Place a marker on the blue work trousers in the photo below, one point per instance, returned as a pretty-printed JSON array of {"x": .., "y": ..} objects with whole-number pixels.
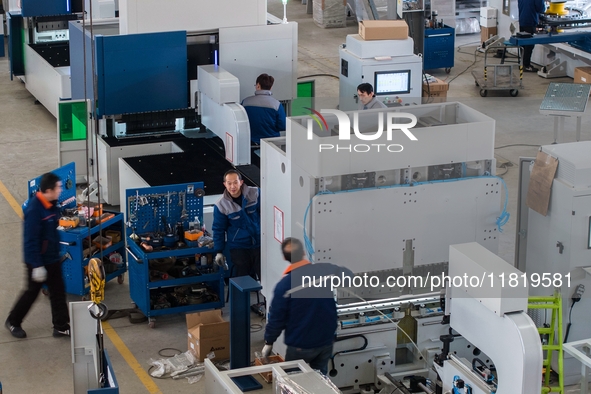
[{"x": 317, "y": 357}]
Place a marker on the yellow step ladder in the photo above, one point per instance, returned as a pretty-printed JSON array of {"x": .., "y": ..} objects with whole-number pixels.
[{"x": 555, "y": 338}]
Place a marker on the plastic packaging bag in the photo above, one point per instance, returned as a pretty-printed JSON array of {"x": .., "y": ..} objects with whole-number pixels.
[
  {"x": 304, "y": 383},
  {"x": 172, "y": 365}
]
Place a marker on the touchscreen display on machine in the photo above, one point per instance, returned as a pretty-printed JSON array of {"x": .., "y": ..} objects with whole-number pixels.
[{"x": 392, "y": 82}]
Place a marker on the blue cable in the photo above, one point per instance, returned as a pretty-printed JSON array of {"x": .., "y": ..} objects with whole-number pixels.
[
  {"x": 504, "y": 218},
  {"x": 307, "y": 242}
]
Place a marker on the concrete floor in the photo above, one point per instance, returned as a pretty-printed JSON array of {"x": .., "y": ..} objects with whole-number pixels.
[{"x": 42, "y": 364}]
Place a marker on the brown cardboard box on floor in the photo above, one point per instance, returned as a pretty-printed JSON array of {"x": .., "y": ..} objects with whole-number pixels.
[
  {"x": 436, "y": 89},
  {"x": 383, "y": 30},
  {"x": 208, "y": 332},
  {"x": 582, "y": 75},
  {"x": 487, "y": 32}
]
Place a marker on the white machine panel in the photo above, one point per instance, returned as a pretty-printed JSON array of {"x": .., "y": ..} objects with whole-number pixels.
[
  {"x": 364, "y": 70},
  {"x": 494, "y": 292},
  {"x": 249, "y": 51},
  {"x": 47, "y": 83},
  {"x": 101, "y": 9},
  {"x": 218, "y": 84},
  {"x": 575, "y": 162},
  {"x": 558, "y": 243},
  {"x": 381, "y": 237},
  {"x": 380, "y": 63},
  {"x": 108, "y": 161},
  {"x": 148, "y": 16},
  {"x": 377, "y": 48},
  {"x": 466, "y": 135}
]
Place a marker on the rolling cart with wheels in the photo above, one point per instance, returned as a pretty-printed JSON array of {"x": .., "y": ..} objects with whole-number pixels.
[
  {"x": 439, "y": 49},
  {"x": 501, "y": 72},
  {"x": 168, "y": 273}
]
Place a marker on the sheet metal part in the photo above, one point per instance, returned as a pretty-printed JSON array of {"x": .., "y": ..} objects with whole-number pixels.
[{"x": 387, "y": 303}]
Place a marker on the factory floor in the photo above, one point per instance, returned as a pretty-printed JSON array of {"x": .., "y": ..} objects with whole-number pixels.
[{"x": 43, "y": 364}]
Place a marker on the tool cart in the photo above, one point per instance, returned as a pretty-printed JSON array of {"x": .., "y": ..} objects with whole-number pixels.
[
  {"x": 502, "y": 70},
  {"x": 439, "y": 49},
  {"x": 170, "y": 253},
  {"x": 83, "y": 237}
]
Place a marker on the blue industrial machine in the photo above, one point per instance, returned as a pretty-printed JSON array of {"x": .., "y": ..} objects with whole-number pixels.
[{"x": 556, "y": 31}]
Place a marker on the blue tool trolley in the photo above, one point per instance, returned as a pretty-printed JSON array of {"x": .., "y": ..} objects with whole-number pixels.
[
  {"x": 76, "y": 243},
  {"x": 438, "y": 50},
  {"x": 187, "y": 285}
]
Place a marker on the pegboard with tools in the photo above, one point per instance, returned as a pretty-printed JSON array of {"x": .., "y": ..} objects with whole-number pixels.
[
  {"x": 170, "y": 256},
  {"x": 158, "y": 209},
  {"x": 67, "y": 175}
]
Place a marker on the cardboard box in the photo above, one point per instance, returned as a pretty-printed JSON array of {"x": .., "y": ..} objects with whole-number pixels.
[
  {"x": 582, "y": 75},
  {"x": 488, "y": 16},
  {"x": 268, "y": 376},
  {"x": 208, "y": 332},
  {"x": 437, "y": 89},
  {"x": 487, "y": 32},
  {"x": 383, "y": 30},
  {"x": 488, "y": 12}
]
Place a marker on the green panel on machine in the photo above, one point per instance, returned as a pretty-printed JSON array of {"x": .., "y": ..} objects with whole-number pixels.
[
  {"x": 72, "y": 121},
  {"x": 304, "y": 100}
]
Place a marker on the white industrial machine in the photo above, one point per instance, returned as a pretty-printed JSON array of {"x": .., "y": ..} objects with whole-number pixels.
[
  {"x": 221, "y": 112},
  {"x": 559, "y": 244},
  {"x": 389, "y": 207},
  {"x": 287, "y": 377},
  {"x": 390, "y": 66},
  {"x": 493, "y": 317}
]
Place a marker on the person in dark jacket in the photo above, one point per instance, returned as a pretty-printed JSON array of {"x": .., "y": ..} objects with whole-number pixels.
[
  {"x": 237, "y": 223},
  {"x": 265, "y": 114},
  {"x": 42, "y": 259},
  {"x": 529, "y": 11},
  {"x": 307, "y": 314}
]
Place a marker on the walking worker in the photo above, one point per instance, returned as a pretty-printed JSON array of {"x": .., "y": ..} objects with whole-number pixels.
[
  {"x": 42, "y": 259},
  {"x": 529, "y": 11},
  {"x": 308, "y": 314}
]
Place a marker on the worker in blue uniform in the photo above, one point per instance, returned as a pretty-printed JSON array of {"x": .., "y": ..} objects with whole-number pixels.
[
  {"x": 237, "y": 223},
  {"x": 307, "y": 314},
  {"x": 266, "y": 115},
  {"x": 42, "y": 259},
  {"x": 529, "y": 11}
]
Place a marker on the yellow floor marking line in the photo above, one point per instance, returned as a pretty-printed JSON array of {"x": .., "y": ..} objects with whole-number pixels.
[
  {"x": 11, "y": 201},
  {"x": 140, "y": 372}
]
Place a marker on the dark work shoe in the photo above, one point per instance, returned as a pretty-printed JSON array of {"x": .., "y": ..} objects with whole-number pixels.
[
  {"x": 61, "y": 333},
  {"x": 530, "y": 69},
  {"x": 16, "y": 331}
]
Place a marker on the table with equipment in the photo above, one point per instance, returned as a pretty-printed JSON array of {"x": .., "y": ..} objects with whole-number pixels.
[{"x": 564, "y": 100}]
